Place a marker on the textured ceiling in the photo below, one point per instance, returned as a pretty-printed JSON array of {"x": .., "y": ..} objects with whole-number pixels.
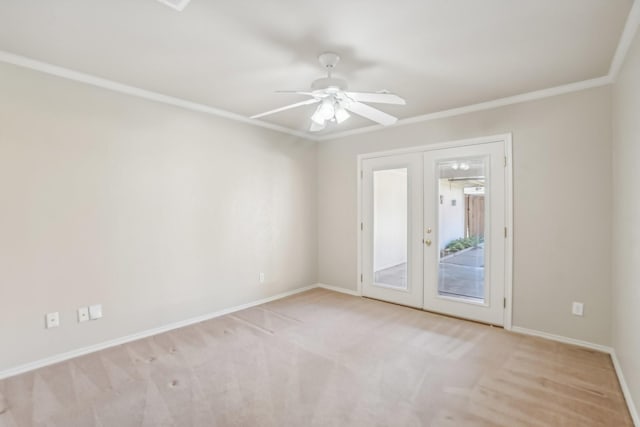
[{"x": 233, "y": 55}]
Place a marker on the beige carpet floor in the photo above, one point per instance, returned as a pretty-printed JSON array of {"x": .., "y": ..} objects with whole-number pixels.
[{"x": 321, "y": 358}]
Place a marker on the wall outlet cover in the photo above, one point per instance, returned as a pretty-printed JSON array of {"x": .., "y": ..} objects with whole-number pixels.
[
  {"x": 577, "y": 309},
  {"x": 261, "y": 278},
  {"x": 95, "y": 311},
  {"x": 83, "y": 314},
  {"x": 52, "y": 320}
]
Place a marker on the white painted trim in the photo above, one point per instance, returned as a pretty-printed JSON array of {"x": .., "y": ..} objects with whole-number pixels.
[
  {"x": 489, "y": 105},
  {"x": 143, "y": 334},
  {"x": 633, "y": 411},
  {"x": 359, "y": 226},
  {"x": 507, "y": 139},
  {"x": 598, "y": 347},
  {"x": 77, "y": 76},
  {"x": 150, "y": 332},
  {"x": 631, "y": 25},
  {"x": 628, "y": 33},
  {"x": 508, "y": 262},
  {"x": 630, "y": 28},
  {"x": 436, "y": 146},
  {"x": 89, "y": 79},
  {"x": 562, "y": 339},
  {"x": 625, "y": 389},
  {"x": 338, "y": 289}
]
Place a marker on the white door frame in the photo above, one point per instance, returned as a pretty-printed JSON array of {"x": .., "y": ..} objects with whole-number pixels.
[{"x": 508, "y": 262}]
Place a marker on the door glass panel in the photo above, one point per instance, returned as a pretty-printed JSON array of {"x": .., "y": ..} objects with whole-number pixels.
[
  {"x": 390, "y": 228},
  {"x": 461, "y": 221}
]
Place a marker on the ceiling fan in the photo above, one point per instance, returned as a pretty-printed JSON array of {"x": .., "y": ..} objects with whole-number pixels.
[{"x": 336, "y": 101}]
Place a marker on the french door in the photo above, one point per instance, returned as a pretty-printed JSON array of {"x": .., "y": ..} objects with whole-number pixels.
[
  {"x": 433, "y": 230},
  {"x": 392, "y": 215}
]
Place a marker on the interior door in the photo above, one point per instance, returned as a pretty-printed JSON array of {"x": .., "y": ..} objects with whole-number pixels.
[
  {"x": 464, "y": 232},
  {"x": 391, "y": 225}
]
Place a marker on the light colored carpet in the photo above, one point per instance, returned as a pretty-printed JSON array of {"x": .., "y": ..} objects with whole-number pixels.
[{"x": 324, "y": 359}]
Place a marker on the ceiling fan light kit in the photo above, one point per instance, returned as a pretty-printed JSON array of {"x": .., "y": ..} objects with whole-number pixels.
[
  {"x": 341, "y": 114},
  {"x": 336, "y": 101}
]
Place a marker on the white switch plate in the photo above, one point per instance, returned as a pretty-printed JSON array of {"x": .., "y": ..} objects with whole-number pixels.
[
  {"x": 52, "y": 320},
  {"x": 261, "y": 277},
  {"x": 95, "y": 311},
  {"x": 577, "y": 309},
  {"x": 83, "y": 314}
]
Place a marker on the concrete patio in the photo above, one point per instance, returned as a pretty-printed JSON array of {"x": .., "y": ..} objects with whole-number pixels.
[{"x": 460, "y": 274}]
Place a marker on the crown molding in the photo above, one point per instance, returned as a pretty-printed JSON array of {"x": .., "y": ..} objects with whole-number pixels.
[
  {"x": 631, "y": 25},
  {"x": 489, "y": 105},
  {"x": 630, "y": 29},
  {"x": 100, "y": 82}
]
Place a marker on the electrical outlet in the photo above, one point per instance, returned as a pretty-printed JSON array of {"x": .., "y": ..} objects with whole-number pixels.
[
  {"x": 261, "y": 277},
  {"x": 83, "y": 314},
  {"x": 577, "y": 309},
  {"x": 95, "y": 311},
  {"x": 52, "y": 320}
]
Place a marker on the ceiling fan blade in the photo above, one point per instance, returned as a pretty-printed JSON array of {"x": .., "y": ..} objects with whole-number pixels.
[
  {"x": 371, "y": 113},
  {"x": 277, "y": 110},
  {"x": 315, "y": 127},
  {"x": 299, "y": 92},
  {"x": 376, "y": 98}
]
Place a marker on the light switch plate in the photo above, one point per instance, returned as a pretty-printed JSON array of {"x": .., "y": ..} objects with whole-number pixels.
[
  {"x": 83, "y": 314},
  {"x": 95, "y": 311},
  {"x": 52, "y": 320}
]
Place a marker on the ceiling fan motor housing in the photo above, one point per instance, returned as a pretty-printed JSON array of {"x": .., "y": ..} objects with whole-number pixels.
[
  {"x": 329, "y": 59},
  {"x": 329, "y": 83}
]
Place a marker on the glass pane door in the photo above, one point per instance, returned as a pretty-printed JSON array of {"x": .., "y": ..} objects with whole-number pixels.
[
  {"x": 464, "y": 219},
  {"x": 390, "y": 215},
  {"x": 461, "y": 222},
  {"x": 391, "y": 229}
]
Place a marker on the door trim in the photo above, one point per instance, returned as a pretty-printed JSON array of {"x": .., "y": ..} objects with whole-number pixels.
[{"x": 506, "y": 138}]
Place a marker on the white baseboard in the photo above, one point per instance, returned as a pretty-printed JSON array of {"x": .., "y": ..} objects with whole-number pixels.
[
  {"x": 560, "y": 338},
  {"x": 603, "y": 348},
  {"x": 155, "y": 331},
  {"x": 625, "y": 389},
  {"x": 139, "y": 335},
  {"x": 338, "y": 289}
]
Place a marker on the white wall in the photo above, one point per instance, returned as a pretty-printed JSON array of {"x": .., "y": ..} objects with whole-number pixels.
[
  {"x": 451, "y": 218},
  {"x": 562, "y": 204},
  {"x": 626, "y": 219},
  {"x": 158, "y": 213},
  {"x": 390, "y": 218},
  {"x": 163, "y": 214}
]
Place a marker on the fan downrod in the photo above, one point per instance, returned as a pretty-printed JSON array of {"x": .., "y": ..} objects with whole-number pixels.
[{"x": 328, "y": 84}]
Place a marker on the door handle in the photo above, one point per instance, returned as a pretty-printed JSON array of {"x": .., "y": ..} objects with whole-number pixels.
[{"x": 427, "y": 242}]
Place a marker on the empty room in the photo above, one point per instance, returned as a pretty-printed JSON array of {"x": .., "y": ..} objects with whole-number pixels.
[{"x": 293, "y": 213}]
